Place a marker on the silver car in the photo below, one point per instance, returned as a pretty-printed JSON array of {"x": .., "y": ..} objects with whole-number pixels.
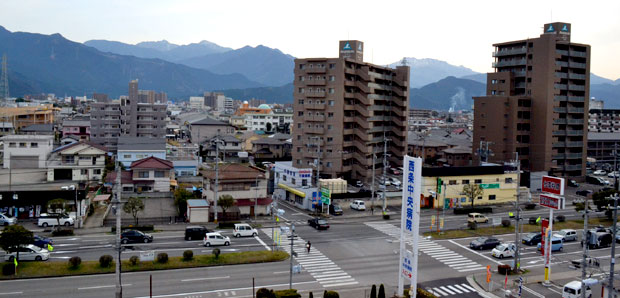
[
  {"x": 29, "y": 252},
  {"x": 6, "y": 220},
  {"x": 567, "y": 234}
]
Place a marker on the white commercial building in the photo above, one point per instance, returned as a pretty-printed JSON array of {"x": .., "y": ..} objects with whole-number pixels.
[
  {"x": 294, "y": 185},
  {"x": 27, "y": 151},
  {"x": 197, "y": 102}
]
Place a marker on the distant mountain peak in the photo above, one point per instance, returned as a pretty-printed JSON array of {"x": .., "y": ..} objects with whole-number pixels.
[{"x": 162, "y": 45}]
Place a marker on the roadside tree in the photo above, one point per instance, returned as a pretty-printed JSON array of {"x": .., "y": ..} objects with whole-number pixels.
[
  {"x": 15, "y": 236},
  {"x": 225, "y": 202},
  {"x": 133, "y": 206},
  {"x": 472, "y": 191}
]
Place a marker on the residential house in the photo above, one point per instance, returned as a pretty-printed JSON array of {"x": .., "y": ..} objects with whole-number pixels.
[
  {"x": 131, "y": 149},
  {"x": 38, "y": 129},
  {"x": 79, "y": 128},
  {"x": 27, "y": 151},
  {"x": 229, "y": 147},
  {"x": 152, "y": 174},
  {"x": 79, "y": 161},
  {"x": 246, "y": 184},
  {"x": 271, "y": 148},
  {"x": 456, "y": 157},
  {"x": 206, "y": 128}
]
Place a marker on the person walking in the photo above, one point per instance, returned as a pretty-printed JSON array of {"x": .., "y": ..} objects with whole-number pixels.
[
  {"x": 372, "y": 210},
  {"x": 308, "y": 245}
]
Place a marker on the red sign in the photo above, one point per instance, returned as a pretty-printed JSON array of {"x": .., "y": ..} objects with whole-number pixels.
[
  {"x": 551, "y": 202},
  {"x": 544, "y": 226},
  {"x": 553, "y": 185}
]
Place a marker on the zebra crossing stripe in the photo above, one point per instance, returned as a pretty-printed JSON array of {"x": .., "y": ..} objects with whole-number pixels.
[
  {"x": 461, "y": 288},
  {"x": 454, "y": 289},
  {"x": 468, "y": 287},
  {"x": 446, "y": 290},
  {"x": 439, "y": 292}
]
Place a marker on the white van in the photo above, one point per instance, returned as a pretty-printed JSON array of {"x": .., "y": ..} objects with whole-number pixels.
[
  {"x": 244, "y": 230},
  {"x": 477, "y": 218},
  {"x": 358, "y": 205},
  {"x": 573, "y": 290},
  {"x": 48, "y": 220},
  {"x": 215, "y": 239}
]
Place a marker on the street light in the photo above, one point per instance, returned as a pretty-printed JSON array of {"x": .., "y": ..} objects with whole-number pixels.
[{"x": 256, "y": 195}]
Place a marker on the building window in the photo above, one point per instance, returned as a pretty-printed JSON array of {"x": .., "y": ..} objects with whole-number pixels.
[
  {"x": 143, "y": 174},
  {"x": 301, "y": 78},
  {"x": 465, "y": 182},
  {"x": 160, "y": 174},
  {"x": 126, "y": 155},
  {"x": 293, "y": 180},
  {"x": 298, "y": 125},
  {"x": 329, "y": 164},
  {"x": 34, "y": 145},
  {"x": 332, "y": 66},
  {"x": 11, "y": 145},
  {"x": 304, "y": 182},
  {"x": 491, "y": 197},
  {"x": 302, "y": 66},
  {"x": 301, "y": 101},
  {"x": 479, "y": 198},
  {"x": 332, "y": 78},
  {"x": 330, "y": 139},
  {"x": 301, "y": 90},
  {"x": 84, "y": 172},
  {"x": 478, "y": 181},
  {"x": 68, "y": 159},
  {"x": 22, "y": 145},
  {"x": 97, "y": 171},
  {"x": 508, "y": 180},
  {"x": 330, "y": 127},
  {"x": 300, "y": 113},
  {"x": 331, "y": 91},
  {"x": 331, "y": 103},
  {"x": 330, "y": 115},
  {"x": 452, "y": 182}
]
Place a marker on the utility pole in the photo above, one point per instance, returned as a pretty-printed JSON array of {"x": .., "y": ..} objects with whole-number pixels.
[
  {"x": 585, "y": 239},
  {"x": 385, "y": 163},
  {"x": 119, "y": 189},
  {"x": 613, "y": 247},
  {"x": 518, "y": 218},
  {"x": 290, "y": 281},
  {"x": 217, "y": 142},
  {"x": 372, "y": 185}
]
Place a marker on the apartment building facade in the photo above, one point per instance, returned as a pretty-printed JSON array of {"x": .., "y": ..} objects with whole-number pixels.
[
  {"x": 344, "y": 110},
  {"x": 126, "y": 117},
  {"x": 536, "y": 103}
]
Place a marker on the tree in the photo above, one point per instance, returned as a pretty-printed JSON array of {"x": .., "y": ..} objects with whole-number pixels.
[
  {"x": 225, "y": 202},
  {"x": 181, "y": 196},
  {"x": 133, "y": 206},
  {"x": 57, "y": 204},
  {"x": 381, "y": 291},
  {"x": 472, "y": 191},
  {"x": 268, "y": 127},
  {"x": 373, "y": 292},
  {"x": 15, "y": 236}
]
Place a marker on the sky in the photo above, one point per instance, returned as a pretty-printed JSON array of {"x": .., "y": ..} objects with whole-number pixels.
[{"x": 459, "y": 32}]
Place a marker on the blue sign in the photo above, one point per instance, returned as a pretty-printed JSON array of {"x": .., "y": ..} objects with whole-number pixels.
[
  {"x": 347, "y": 46},
  {"x": 564, "y": 28},
  {"x": 359, "y": 47},
  {"x": 550, "y": 29}
]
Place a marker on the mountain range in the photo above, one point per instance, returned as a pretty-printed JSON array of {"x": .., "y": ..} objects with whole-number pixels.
[{"x": 52, "y": 64}]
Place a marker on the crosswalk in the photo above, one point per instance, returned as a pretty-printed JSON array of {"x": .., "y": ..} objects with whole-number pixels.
[
  {"x": 436, "y": 251},
  {"x": 449, "y": 290},
  {"x": 320, "y": 267}
]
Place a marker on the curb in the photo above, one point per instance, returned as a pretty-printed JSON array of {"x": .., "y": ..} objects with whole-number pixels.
[{"x": 481, "y": 291}]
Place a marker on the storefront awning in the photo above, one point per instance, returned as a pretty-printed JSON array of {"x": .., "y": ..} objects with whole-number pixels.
[{"x": 290, "y": 189}]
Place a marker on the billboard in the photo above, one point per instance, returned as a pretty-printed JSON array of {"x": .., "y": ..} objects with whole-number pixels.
[
  {"x": 553, "y": 185},
  {"x": 410, "y": 221}
]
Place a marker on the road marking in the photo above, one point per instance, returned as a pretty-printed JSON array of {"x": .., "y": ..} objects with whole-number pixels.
[
  {"x": 227, "y": 290},
  {"x": 281, "y": 272},
  {"x": 456, "y": 262},
  {"x": 331, "y": 274},
  {"x": 446, "y": 290},
  {"x": 533, "y": 292},
  {"x": 102, "y": 287},
  {"x": 340, "y": 284},
  {"x": 95, "y": 246},
  {"x": 475, "y": 252},
  {"x": 454, "y": 289},
  {"x": 64, "y": 252},
  {"x": 205, "y": 278},
  {"x": 263, "y": 243},
  {"x": 11, "y": 293},
  {"x": 464, "y": 264},
  {"x": 472, "y": 269}
]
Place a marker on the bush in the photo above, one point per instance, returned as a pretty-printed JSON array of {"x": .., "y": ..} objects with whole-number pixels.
[
  {"x": 505, "y": 223},
  {"x": 386, "y": 216},
  {"x": 473, "y": 210},
  {"x": 134, "y": 260},
  {"x": 472, "y": 225},
  {"x": 74, "y": 262},
  {"x": 188, "y": 255},
  {"x": 216, "y": 253},
  {"x": 265, "y": 293},
  {"x": 143, "y": 228},
  {"x": 330, "y": 294},
  {"x": 310, "y": 295},
  {"x": 63, "y": 232},
  {"x": 503, "y": 269},
  {"x": 105, "y": 261},
  {"x": 8, "y": 269},
  {"x": 289, "y": 293},
  {"x": 373, "y": 292},
  {"x": 423, "y": 293},
  {"x": 530, "y": 206},
  {"x": 561, "y": 218},
  {"x": 381, "y": 292},
  {"x": 162, "y": 258}
]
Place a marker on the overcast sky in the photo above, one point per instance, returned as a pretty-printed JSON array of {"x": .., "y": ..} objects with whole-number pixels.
[{"x": 459, "y": 32}]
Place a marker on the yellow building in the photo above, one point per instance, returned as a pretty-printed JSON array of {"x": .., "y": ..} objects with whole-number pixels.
[
  {"x": 24, "y": 116},
  {"x": 499, "y": 186}
]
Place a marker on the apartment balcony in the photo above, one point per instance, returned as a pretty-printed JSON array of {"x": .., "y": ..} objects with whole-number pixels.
[
  {"x": 517, "y": 51},
  {"x": 377, "y": 129},
  {"x": 315, "y": 70},
  {"x": 576, "y": 98},
  {"x": 561, "y": 75},
  {"x": 378, "y": 97},
  {"x": 566, "y": 156},
  {"x": 380, "y": 86},
  {"x": 310, "y": 154},
  {"x": 399, "y": 92},
  {"x": 575, "y": 121},
  {"x": 315, "y": 94},
  {"x": 363, "y": 87},
  {"x": 363, "y": 99},
  {"x": 574, "y": 144},
  {"x": 377, "y": 118},
  {"x": 362, "y": 134},
  {"x": 560, "y": 86},
  {"x": 506, "y": 63},
  {"x": 348, "y": 119},
  {"x": 578, "y": 54},
  {"x": 520, "y": 85},
  {"x": 347, "y": 131},
  {"x": 576, "y": 87},
  {"x": 576, "y": 76},
  {"x": 378, "y": 107},
  {"x": 558, "y": 144},
  {"x": 575, "y": 110},
  {"x": 559, "y": 109},
  {"x": 362, "y": 110},
  {"x": 315, "y": 82},
  {"x": 567, "y": 133},
  {"x": 362, "y": 123},
  {"x": 559, "y": 121},
  {"x": 562, "y": 52},
  {"x": 314, "y": 118},
  {"x": 379, "y": 76},
  {"x": 363, "y": 73},
  {"x": 362, "y": 147},
  {"x": 561, "y": 63},
  {"x": 576, "y": 65},
  {"x": 572, "y": 168},
  {"x": 315, "y": 106}
]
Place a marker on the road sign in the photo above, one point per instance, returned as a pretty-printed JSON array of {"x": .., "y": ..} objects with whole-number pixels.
[
  {"x": 552, "y": 202},
  {"x": 407, "y": 268},
  {"x": 553, "y": 185},
  {"x": 148, "y": 255}
]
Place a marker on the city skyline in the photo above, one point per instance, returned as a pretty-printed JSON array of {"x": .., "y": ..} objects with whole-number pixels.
[{"x": 421, "y": 34}]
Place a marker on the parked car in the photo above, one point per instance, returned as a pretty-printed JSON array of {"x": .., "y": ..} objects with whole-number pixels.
[
  {"x": 195, "y": 232},
  {"x": 596, "y": 239},
  {"x": 556, "y": 244},
  {"x": 358, "y": 205},
  {"x": 599, "y": 172},
  {"x": 504, "y": 250},
  {"x": 359, "y": 183},
  {"x": 573, "y": 290},
  {"x": 135, "y": 236},
  {"x": 42, "y": 242},
  {"x": 572, "y": 183},
  {"x": 335, "y": 209},
  {"x": 318, "y": 223},
  {"x": 244, "y": 230},
  {"x": 49, "y": 220},
  {"x": 477, "y": 218},
  {"x": 6, "y": 220},
  {"x": 584, "y": 192},
  {"x": 28, "y": 252},
  {"x": 215, "y": 239},
  {"x": 567, "y": 234},
  {"x": 484, "y": 243},
  {"x": 532, "y": 238},
  {"x": 595, "y": 180},
  {"x": 613, "y": 174}
]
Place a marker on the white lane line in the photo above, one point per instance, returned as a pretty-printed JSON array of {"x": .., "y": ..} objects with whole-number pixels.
[
  {"x": 261, "y": 242},
  {"x": 342, "y": 273},
  {"x": 205, "y": 278},
  {"x": 341, "y": 284},
  {"x": 101, "y": 287},
  {"x": 465, "y": 266},
  {"x": 321, "y": 280},
  {"x": 468, "y": 287},
  {"x": 336, "y": 281},
  {"x": 64, "y": 252},
  {"x": 533, "y": 292},
  {"x": 11, "y": 293},
  {"x": 281, "y": 272},
  {"x": 456, "y": 266},
  {"x": 447, "y": 258},
  {"x": 451, "y": 262},
  {"x": 95, "y": 246},
  {"x": 472, "y": 269}
]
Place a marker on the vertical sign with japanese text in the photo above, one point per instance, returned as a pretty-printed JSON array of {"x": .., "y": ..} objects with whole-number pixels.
[{"x": 410, "y": 220}]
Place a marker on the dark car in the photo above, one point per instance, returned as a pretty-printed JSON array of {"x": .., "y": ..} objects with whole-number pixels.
[
  {"x": 573, "y": 183},
  {"x": 532, "y": 239},
  {"x": 42, "y": 242},
  {"x": 335, "y": 209},
  {"x": 318, "y": 223},
  {"x": 195, "y": 232},
  {"x": 134, "y": 236},
  {"x": 484, "y": 243},
  {"x": 584, "y": 192}
]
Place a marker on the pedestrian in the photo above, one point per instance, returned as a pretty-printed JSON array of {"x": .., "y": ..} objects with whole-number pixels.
[
  {"x": 308, "y": 245},
  {"x": 372, "y": 210}
]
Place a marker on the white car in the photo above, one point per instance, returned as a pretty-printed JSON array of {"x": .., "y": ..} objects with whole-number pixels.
[
  {"x": 243, "y": 230},
  {"x": 599, "y": 172},
  {"x": 504, "y": 250},
  {"x": 566, "y": 235},
  {"x": 215, "y": 239},
  {"x": 613, "y": 174},
  {"x": 29, "y": 252},
  {"x": 48, "y": 220},
  {"x": 358, "y": 205},
  {"x": 6, "y": 220},
  {"x": 396, "y": 182}
]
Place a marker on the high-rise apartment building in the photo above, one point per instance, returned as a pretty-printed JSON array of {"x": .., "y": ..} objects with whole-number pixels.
[
  {"x": 537, "y": 104},
  {"x": 349, "y": 108},
  {"x": 126, "y": 117}
]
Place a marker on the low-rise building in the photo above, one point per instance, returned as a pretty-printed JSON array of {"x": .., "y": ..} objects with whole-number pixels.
[
  {"x": 79, "y": 128},
  {"x": 499, "y": 185},
  {"x": 271, "y": 148},
  {"x": 131, "y": 149},
  {"x": 456, "y": 157},
  {"x": 27, "y": 151},
  {"x": 78, "y": 161},
  {"x": 152, "y": 174},
  {"x": 207, "y": 128},
  {"x": 601, "y": 146},
  {"x": 294, "y": 185},
  {"x": 229, "y": 148}
]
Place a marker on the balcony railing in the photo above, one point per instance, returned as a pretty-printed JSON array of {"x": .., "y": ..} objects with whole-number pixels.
[
  {"x": 561, "y": 63},
  {"x": 576, "y": 87},
  {"x": 578, "y": 54},
  {"x": 506, "y": 52},
  {"x": 576, "y": 65},
  {"x": 576, "y": 76},
  {"x": 509, "y": 63}
]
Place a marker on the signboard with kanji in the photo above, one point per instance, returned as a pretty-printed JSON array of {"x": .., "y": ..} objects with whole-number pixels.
[
  {"x": 552, "y": 202},
  {"x": 553, "y": 185}
]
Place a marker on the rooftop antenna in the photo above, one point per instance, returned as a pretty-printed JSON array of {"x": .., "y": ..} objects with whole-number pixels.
[{"x": 403, "y": 62}]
